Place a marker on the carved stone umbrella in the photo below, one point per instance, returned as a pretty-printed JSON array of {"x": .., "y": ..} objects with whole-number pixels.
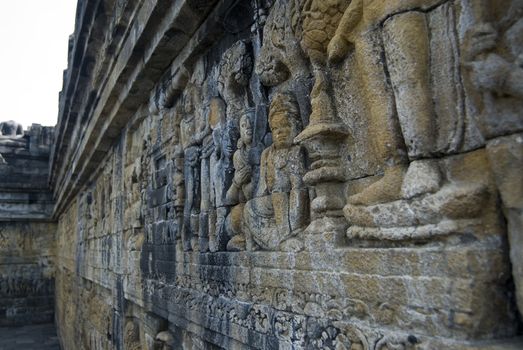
[{"x": 324, "y": 136}]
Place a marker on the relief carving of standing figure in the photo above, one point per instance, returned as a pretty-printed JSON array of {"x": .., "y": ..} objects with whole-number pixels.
[
  {"x": 188, "y": 131},
  {"x": 219, "y": 148},
  {"x": 241, "y": 187},
  {"x": 213, "y": 189},
  {"x": 233, "y": 80},
  {"x": 280, "y": 208},
  {"x": 406, "y": 42}
]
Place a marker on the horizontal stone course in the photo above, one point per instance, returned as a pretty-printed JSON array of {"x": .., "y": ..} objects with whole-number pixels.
[{"x": 278, "y": 175}]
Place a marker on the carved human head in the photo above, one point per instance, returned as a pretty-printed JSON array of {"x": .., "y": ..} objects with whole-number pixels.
[
  {"x": 191, "y": 97},
  {"x": 216, "y": 112},
  {"x": 272, "y": 65},
  {"x": 284, "y": 119},
  {"x": 230, "y": 139},
  {"x": 246, "y": 127}
]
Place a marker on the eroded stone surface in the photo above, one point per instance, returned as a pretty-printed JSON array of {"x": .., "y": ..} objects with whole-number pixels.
[
  {"x": 291, "y": 174},
  {"x": 26, "y": 232}
]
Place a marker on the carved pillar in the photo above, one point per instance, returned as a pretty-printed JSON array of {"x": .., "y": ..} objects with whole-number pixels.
[{"x": 323, "y": 138}]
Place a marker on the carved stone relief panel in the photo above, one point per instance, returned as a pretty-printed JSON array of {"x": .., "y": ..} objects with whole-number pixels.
[
  {"x": 334, "y": 175},
  {"x": 279, "y": 209},
  {"x": 132, "y": 335},
  {"x": 492, "y": 51}
]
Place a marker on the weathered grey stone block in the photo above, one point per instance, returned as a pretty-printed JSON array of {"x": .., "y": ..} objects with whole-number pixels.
[{"x": 283, "y": 174}]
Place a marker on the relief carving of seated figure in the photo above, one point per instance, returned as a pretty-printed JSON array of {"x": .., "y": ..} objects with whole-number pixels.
[{"x": 280, "y": 208}]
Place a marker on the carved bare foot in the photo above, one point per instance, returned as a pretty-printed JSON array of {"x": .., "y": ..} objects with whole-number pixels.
[
  {"x": 213, "y": 245},
  {"x": 422, "y": 177},
  {"x": 291, "y": 245},
  {"x": 187, "y": 245},
  {"x": 387, "y": 189},
  {"x": 337, "y": 49},
  {"x": 236, "y": 243},
  {"x": 195, "y": 244}
]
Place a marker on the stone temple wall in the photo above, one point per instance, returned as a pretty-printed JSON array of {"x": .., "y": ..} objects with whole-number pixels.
[
  {"x": 26, "y": 273},
  {"x": 291, "y": 174},
  {"x": 27, "y": 232}
]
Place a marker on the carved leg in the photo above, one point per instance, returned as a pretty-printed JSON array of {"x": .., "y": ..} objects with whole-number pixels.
[
  {"x": 387, "y": 142},
  {"x": 234, "y": 224},
  {"x": 205, "y": 204},
  {"x": 189, "y": 199},
  {"x": 406, "y": 41},
  {"x": 195, "y": 209},
  {"x": 211, "y": 224},
  {"x": 221, "y": 237},
  {"x": 387, "y": 189}
]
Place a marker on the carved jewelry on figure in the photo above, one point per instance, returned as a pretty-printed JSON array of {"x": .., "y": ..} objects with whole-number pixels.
[{"x": 280, "y": 208}]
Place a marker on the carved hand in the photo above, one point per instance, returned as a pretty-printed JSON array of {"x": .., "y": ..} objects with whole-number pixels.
[
  {"x": 490, "y": 73},
  {"x": 242, "y": 176},
  {"x": 482, "y": 39},
  {"x": 337, "y": 49}
]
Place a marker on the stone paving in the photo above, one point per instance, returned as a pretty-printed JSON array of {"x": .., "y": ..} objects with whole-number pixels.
[{"x": 33, "y": 337}]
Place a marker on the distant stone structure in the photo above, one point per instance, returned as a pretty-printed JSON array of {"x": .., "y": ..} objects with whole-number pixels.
[
  {"x": 27, "y": 231},
  {"x": 11, "y": 128},
  {"x": 289, "y": 174}
]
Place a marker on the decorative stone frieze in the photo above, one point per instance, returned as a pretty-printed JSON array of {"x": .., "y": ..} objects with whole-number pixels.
[{"x": 291, "y": 174}]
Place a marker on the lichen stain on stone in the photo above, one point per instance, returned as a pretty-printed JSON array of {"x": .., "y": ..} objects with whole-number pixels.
[{"x": 288, "y": 174}]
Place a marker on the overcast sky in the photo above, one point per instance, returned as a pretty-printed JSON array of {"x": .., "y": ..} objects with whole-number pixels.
[{"x": 33, "y": 54}]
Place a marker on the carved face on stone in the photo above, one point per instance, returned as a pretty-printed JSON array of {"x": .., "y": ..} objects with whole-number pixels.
[
  {"x": 242, "y": 64},
  {"x": 281, "y": 131},
  {"x": 246, "y": 129},
  {"x": 190, "y": 99},
  {"x": 230, "y": 137},
  {"x": 284, "y": 120},
  {"x": 188, "y": 106},
  {"x": 216, "y": 112}
]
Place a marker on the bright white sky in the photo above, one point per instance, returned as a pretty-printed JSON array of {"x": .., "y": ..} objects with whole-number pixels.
[{"x": 33, "y": 54}]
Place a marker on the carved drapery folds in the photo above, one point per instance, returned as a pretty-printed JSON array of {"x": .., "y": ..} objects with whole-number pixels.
[
  {"x": 335, "y": 174},
  {"x": 280, "y": 208},
  {"x": 379, "y": 168}
]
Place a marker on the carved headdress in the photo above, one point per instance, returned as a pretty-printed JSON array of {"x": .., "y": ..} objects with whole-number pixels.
[{"x": 285, "y": 104}]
